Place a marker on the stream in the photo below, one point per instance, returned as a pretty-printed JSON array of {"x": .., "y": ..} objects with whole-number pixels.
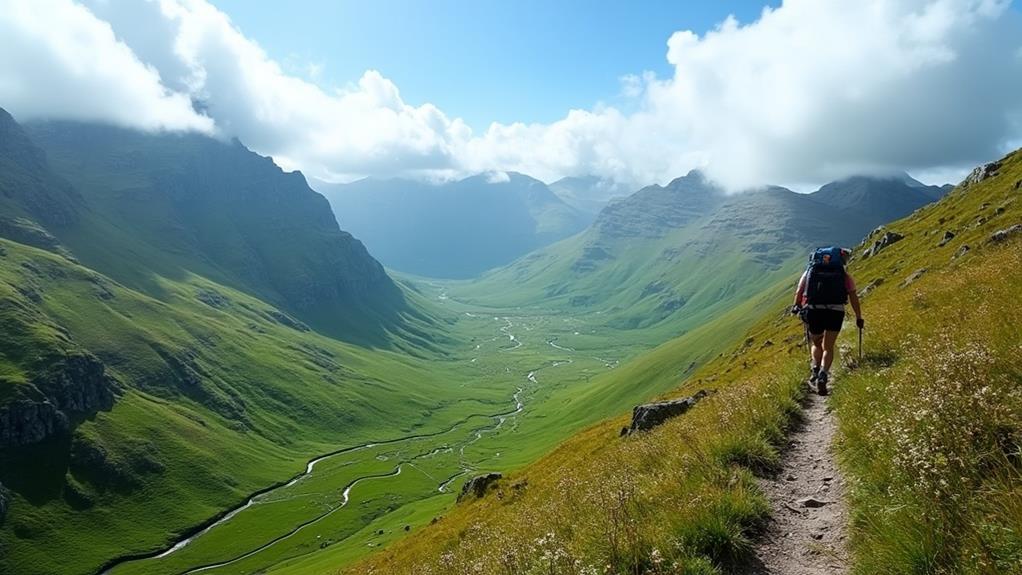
[{"x": 498, "y": 418}]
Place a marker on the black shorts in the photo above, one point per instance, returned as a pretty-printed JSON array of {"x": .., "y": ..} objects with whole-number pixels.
[{"x": 821, "y": 320}]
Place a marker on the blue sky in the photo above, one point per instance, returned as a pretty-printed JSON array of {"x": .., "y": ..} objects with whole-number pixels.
[
  {"x": 485, "y": 60},
  {"x": 813, "y": 91}
]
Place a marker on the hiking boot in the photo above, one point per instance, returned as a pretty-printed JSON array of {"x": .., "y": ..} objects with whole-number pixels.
[
  {"x": 821, "y": 383},
  {"x": 814, "y": 373}
]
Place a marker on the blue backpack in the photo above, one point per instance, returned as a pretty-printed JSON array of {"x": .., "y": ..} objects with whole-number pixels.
[{"x": 825, "y": 279}]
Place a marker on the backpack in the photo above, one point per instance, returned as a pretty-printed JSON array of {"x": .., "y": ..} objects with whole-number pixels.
[{"x": 825, "y": 278}]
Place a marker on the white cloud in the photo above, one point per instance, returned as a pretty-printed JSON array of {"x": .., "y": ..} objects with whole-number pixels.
[
  {"x": 60, "y": 61},
  {"x": 497, "y": 177},
  {"x": 810, "y": 91},
  {"x": 365, "y": 128}
]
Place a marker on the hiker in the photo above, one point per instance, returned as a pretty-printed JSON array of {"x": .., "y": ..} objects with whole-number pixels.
[{"x": 823, "y": 290}]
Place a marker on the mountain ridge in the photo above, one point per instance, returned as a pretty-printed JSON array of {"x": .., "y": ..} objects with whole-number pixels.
[
  {"x": 192, "y": 204},
  {"x": 454, "y": 229}
]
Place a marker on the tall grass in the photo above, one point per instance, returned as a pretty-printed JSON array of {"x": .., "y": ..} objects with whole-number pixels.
[{"x": 932, "y": 435}]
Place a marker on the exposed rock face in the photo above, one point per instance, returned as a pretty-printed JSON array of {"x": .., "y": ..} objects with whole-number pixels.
[
  {"x": 981, "y": 173},
  {"x": 24, "y": 422},
  {"x": 478, "y": 485},
  {"x": 1001, "y": 235},
  {"x": 885, "y": 240},
  {"x": 74, "y": 385},
  {"x": 650, "y": 415},
  {"x": 914, "y": 277},
  {"x": 948, "y": 236},
  {"x": 865, "y": 291},
  {"x": 78, "y": 384}
]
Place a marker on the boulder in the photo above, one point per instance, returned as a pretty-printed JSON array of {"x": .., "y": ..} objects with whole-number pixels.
[
  {"x": 1001, "y": 235},
  {"x": 650, "y": 415},
  {"x": 887, "y": 239},
  {"x": 478, "y": 485},
  {"x": 948, "y": 236},
  {"x": 914, "y": 277},
  {"x": 962, "y": 251},
  {"x": 981, "y": 173},
  {"x": 865, "y": 291}
]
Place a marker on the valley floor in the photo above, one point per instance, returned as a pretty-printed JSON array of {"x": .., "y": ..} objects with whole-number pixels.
[{"x": 359, "y": 498}]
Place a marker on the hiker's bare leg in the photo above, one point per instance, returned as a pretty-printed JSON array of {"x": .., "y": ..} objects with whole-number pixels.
[
  {"x": 817, "y": 350},
  {"x": 829, "y": 339}
]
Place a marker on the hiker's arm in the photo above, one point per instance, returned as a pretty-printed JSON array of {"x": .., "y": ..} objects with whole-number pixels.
[
  {"x": 800, "y": 290},
  {"x": 853, "y": 298}
]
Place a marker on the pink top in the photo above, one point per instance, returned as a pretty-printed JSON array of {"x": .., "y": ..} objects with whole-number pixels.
[{"x": 800, "y": 294}]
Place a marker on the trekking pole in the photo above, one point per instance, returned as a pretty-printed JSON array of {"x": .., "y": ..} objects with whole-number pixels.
[{"x": 860, "y": 346}]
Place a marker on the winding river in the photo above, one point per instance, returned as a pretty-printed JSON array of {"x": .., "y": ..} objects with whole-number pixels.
[{"x": 499, "y": 420}]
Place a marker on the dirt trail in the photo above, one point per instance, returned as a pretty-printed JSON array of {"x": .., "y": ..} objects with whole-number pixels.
[{"x": 807, "y": 531}]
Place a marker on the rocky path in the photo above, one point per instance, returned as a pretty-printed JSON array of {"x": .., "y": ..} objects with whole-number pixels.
[{"x": 806, "y": 534}]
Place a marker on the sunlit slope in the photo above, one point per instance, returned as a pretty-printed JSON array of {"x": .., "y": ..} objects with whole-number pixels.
[
  {"x": 931, "y": 425},
  {"x": 671, "y": 258},
  {"x": 171, "y": 205}
]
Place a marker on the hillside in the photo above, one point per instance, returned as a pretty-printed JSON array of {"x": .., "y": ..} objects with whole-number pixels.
[
  {"x": 673, "y": 257},
  {"x": 455, "y": 229},
  {"x": 174, "y": 204},
  {"x": 930, "y": 425},
  {"x": 30, "y": 193},
  {"x": 137, "y": 404}
]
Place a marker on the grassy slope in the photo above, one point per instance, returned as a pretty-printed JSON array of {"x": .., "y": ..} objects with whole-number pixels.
[
  {"x": 931, "y": 426},
  {"x": 669, "y": 282},
  {"x": 268, "y": 397},
  {"x": 171, "y": 206}
]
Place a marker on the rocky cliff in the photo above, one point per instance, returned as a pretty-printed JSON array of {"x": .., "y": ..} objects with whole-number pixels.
[{"x": 61, "y": 390}]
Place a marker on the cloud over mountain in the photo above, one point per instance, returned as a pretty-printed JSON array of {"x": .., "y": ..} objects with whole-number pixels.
[
  {"x": 810, "y": 91},
  {"x": 60, "y": 61}
]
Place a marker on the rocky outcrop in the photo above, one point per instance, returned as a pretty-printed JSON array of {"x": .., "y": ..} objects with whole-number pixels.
[
  {"x": 24, "y": 422},
  {"x": 650, "y": 415},
  {"x": 981, "y": 173},
  {"x": 29, "y": 233},
  {"x": 887, "y": 239},
  {"x": 914, "y": 277},
  {"x": 72, "y": 386},
  {"x": 77, "y": 384},
  {"x": 868, "y": 289},
  {"x": 948, "y": 236},
  {"x": 478, "y": 485},
  {"x": 962, "y": 251},
  {"x": 1001, "y": 235}
]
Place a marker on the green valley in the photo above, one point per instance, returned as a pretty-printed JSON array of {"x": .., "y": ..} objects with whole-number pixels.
[{"x": 203, "y": 373}]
